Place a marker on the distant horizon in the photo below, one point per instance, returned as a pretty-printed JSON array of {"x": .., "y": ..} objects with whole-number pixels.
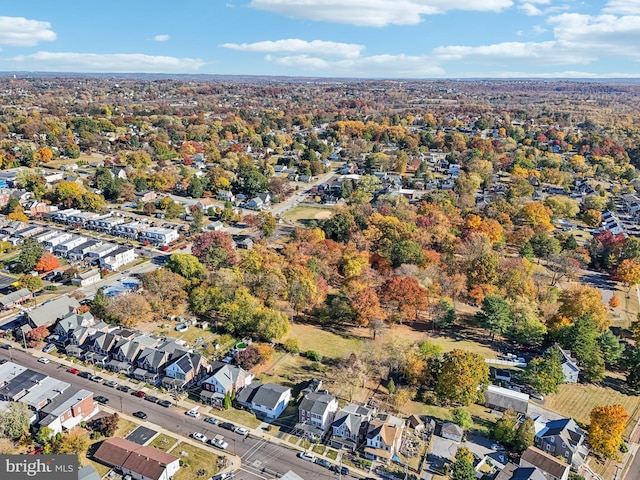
[{"x": 403, "y": 39}]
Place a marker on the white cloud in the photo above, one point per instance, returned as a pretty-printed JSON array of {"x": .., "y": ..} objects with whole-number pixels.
[
  {"x": 624, "y": 7},
  {"x": 374, "y": 13},
  {"x": 381, "y": 66},
  {"x": 107, "y": 63},
  {"x": 507, "y": 52},
  {"x": 564, "y": 74},
  {"x": 530, "y": 9},
  {"x": 161, "y": 38},
  {"x": 22, "y": 32},
  {"x": 539, "y": 29},
  {"x": 303, "y": 47}
]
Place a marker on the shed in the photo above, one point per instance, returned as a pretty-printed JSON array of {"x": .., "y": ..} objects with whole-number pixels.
[
  {"x": 502, "y": 399},
  {"x": 452, "y": 431}
]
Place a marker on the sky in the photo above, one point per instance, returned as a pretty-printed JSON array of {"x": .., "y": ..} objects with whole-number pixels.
[{"x": 326, "y": 38}]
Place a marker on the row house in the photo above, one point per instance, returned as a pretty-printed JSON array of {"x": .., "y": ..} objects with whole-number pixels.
[
  {"x": 130, "y": 230},
  {"x": 51, "y": 243},
  {"x": 78, "y": 253},
  {"x": 350, "y": 426},
  {"x": 46, "y": 235},
  {"x": 63, "y": 216},
  {"x": 223, "y": 379},
  {"x": 65, "y": 327},
  {"x": 117, "y": 258},
  {"x": 106, "y": 224},
  {"x": 159, "y": 236},
  {"x": 29, "y": 231},
  {"x": 63, "y": 248},
  {"x": 126, "y": 351},
  {"x": 184, "y": 369},
  {"x": 152, "y": 361},
  {"x": 316, "y": 413},
  {"x": 80, "y": 219},
  {"x": 103, "y": 250}
]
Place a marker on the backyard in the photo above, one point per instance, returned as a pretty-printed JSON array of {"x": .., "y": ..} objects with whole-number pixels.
[{"x": 194, "y": 462}]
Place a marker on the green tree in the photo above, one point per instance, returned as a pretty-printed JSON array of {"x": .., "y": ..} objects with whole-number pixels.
[
  {"x": 583, "y": 342},
  {"x": 405, "y": 251},
  {"x": 444, "y": 314},
  {"x": 30, "y": 252},
  {"x": 271, "y": 324},
  {"x": 525, "y": 435},
  {"x": 462, "y": 469},
  {"x": 226, "y": 402},
  {"x": 462, "y": 418},
  {"x": 495, "y": 315},
  {"x": 267, "y": 224},
  {"x": 528, "y": 328},
  {"x": 186, "y": 265},
  {"x": 15, "y": 421},
  {"x": 30, "y": 282},
  {"x": 339, "y": 227},
  {"x": 544, "y": 245},
  {"x": 611, "y": 347},
  {"x": 463, "y": 377},
  {"x": 504, "y": 430},
  {"x": 44, "y": 435},
  {"x": 545, "y": 373}
]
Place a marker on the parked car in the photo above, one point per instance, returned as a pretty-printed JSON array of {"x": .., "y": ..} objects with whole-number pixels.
[
  {"x": 241, "y": 431},
  {"x": 223, "y": 476},
  {"x": 101, "y": 399},
  {"x": 536, "y": 395},
  {"x": 211, "y": 420},
  {"x": 228, "y": 426},
  {"x": 339, "y": 469},
  {"x": 192, "y": 413},
  {"x": 97, "y": 379},
  {"x": 75, "y": 371},
  {"x": 111, "y": 384},
  {"x": 124, "y": 388},
  {"x": 152, "y": 399},
  {"x": 141, "y": 415},
  {"x": 307, "y": 456},
  {"x": 85, "y": 374},
  {"x": 219, "y": 443},
  {"x": 139, "y": 394},
  {"x": 49, "y": 347},
  {"x": 323, "y": 462},
  {"x": 165, "y": 403},
  {"x": 44, "y": 360},
  {"x": 199, "y": 436}
]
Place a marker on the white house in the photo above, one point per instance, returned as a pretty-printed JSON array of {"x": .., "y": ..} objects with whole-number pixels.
[
  {"x": 316, "y": 412},
  {"x": 86, "y": 278},
  {"x": 384, "y": 437},
  {"x": 159, "y": 236},
  {"x": 570, "y": 368},
  {"x": 265, "y": 400},
  {"x": 118, "y": 258}
]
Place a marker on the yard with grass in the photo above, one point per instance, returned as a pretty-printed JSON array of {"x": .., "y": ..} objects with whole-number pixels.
[
  {"x": 125, "y": 427},
  {"x": 577, "y": 401},
  {"x": 191, "y": 335},
  {"x": 163, "y": 442},
  {"x": 194, "y": 460},
  {"x": 325, "y": 342},
  {"x": 305, "y": 212},
  {"x": 239, "y": 417}
]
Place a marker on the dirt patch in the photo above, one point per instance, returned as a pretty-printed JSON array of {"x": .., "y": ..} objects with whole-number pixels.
[{"x": 322, "y": 215}]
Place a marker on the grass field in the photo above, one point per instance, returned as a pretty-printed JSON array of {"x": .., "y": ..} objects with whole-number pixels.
[
  {"x": 196, "y": 459},
  {"x": 190, "y": 336},
  {"x": 125, "y": 427},
  {"x": 163, "y": 442},
  {"x": 326, "y": 343},
  {"x": 306, "y": 213},
  {"x": 576, "y": 400},
  {"x": 238, "y": 416}
]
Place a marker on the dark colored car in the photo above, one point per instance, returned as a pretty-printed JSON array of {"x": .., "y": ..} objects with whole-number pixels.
[
  {"x": 152, "y": 399},
  {"x": 85, "y": 374},
  {"x": 165, "y": 403},
  {"x": 6, "y": 346},
  {"x": 124, "y": 388},
  {"x": 323, "y": 462},
  {"x": 341, "y": 470},
  {"x": 228, "y": 426},
  {"x": 139, "y": 394},
  {"x": 141, "y": 415},
  {"x": 101, "y": 399}
]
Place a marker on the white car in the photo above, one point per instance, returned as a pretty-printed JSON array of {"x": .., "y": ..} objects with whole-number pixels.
[
  {"x": 307, "y": 456},
  {"x": 199, "y": 436},
  {"x": 241, "y": 431},
  {"x": 44, "y": 360},
  {"x": 221, "y": 444},
  {"x": 193, "y": 413}
]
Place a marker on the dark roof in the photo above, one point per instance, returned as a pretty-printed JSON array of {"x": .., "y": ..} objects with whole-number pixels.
[
  {"x": 316, "y": 402},
  {"x": 6, "y": 281},
  {"x": 21, "y": 383},
  {"x": 544, "y": 461},
  {"x": 48, "y": 313},
  {"x": 88, "y": 473}
]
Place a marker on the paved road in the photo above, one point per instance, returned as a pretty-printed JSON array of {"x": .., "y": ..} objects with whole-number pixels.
[{"x": 256, "y": 453}]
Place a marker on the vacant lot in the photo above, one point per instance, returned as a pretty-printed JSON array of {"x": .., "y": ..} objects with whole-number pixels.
[
  {"x": 163, "y": 442},
  {"x": 239, "y": 417},
  {"x": 325, "y": 342},
  {"x": 307, "y": 213},
  {"x": 576, "y": 400},
  {"x": 196, "y": 462}
]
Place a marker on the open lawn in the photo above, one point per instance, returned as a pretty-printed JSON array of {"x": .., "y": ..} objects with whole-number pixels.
[
  {"x": 125, "y": 427},
  {"x": 194, "y": 460},
  {"x": 325, "y": 342},
  {"x": 290, "y": 371},
  {"x": 191, "y": 336},
  {"x": 239, "y": 417},
  {"x": 482, "y": 417},
  {"x": 577, "y": 400},
  {"x": 307, "y": 213},
  {"x": 163, "y": 442}
]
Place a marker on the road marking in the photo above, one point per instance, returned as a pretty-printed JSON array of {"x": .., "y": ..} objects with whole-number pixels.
[{"x": 255, "y": 474}]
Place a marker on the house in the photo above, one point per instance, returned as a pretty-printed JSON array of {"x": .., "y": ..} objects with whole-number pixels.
[
  {"x": 65, "y": 327},
  {"x": 384, "y": 437},
  {"x": 63, "y": 248},
  {"x": 265, "y": 400},
  {"x": 152, "y": 360},
  {"x": 16, "y": 298},
  {"x": 502, "y": 374},
  {"x": 67, "y": 410},
  {"x": 226, "y": 378},
  {"x": 159, "y": 236},
  {"x": 49, "y": 313},
  {"x": 146, "y": 196},
  {"x": 570, "y": 367},
  {"x": 452, "y": 431},
  {"x": 513, "y": 472},
  {"x": 256, "y": 203},
  {"x": 86, "y": 278},
  {"x": 78, "y": 253},
  {"x": 550, "y": 466},
  {"x": 561, "y": 438},
  {"x": 126, "y": 350},
  {"x": 99, "y": 252},
  {"x": 118, "y": 258},
  {"x": 226, "y": 196},
  {"x": 316, "y": 412},
  {"x": 503, "y": 399},
  {"x": 88, "y": 473},
  {"x": 184, "y": 369},
  {"x": 129, "y": 230},
  {"x": 140, "y": 462},
  {"x": 349, "y": 426},
  {"x": 216, "y": 226}
]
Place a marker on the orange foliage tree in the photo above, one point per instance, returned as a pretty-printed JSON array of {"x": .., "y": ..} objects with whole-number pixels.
[{"x": 47, "y": 262}]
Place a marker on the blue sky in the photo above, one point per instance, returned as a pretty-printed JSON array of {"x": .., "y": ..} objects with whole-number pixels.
[{"x": 327, "y": 38}]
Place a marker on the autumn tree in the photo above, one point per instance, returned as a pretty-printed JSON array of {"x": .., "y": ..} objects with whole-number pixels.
[
  {"x": 128, "y": 310},
  {"x": 462, "y": 468},
  {"x": 47, "y": 262},
  {"x": 18, "y": 216},
  {"x": 30, "y": 282},
  {"x": 579, "y": 300},
  {"x": 614, "y": 301},
  {"x": 37, "y": 335},
  {"x": 215, "y": 249},
  {"x": 525, "y": 435},
  {"x": 106, "y": 424},
  {"x": 537, "y": 216},
  {"x": 74, "y": 441},
  {"x": 606, "y": 427},
  {"x": 366, "y": 306},
  {"x": 164, "y": 292},
  {"x": 462, "y": 418},
  {"x": 504, "y": 430},
  {"x": 403, "y": 297},
  {"x": 628, "y": 272},
  {"x": 186, "y": 265},
  {"x": 462, "y": 378},
  {"x": 15, "y": 421}
]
